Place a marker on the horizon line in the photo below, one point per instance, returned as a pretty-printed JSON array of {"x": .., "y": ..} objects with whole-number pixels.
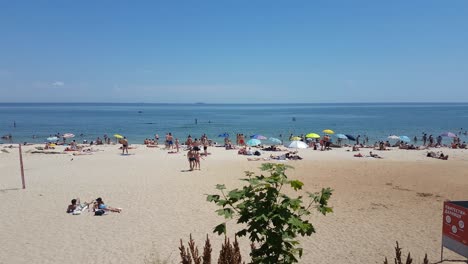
[{"x": 203, "y": 103}]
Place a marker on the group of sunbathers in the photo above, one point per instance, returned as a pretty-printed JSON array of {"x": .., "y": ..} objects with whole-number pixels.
[{"x": 98, "y": 206}]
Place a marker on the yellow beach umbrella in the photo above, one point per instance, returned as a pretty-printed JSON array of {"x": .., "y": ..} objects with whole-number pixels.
[
  {"x": 118, "y": 136},
  {"x": 328, "y": 131},
  {"x": 295, "y": 138},
  {"x": 312, "y": 135}
]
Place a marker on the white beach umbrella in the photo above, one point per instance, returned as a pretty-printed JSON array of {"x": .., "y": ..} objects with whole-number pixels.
[
  {"x": 393, "y": 137},
  {"x": 298, "y": 144},
  {"x": 68, "y": 135}
]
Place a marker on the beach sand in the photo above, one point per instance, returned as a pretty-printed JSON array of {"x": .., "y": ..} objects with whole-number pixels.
[{"x": 376, "y": 202}]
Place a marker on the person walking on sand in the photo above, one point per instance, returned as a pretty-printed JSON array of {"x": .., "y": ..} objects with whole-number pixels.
[
  {"x": 177, "y": 144},
  {"x": 124, "y": 145}
]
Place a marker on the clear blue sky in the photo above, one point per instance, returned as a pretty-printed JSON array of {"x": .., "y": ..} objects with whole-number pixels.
[{"x": 234, "y": 51}]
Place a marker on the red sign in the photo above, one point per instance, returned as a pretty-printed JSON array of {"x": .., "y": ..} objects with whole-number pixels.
[{"x": 455, "y": 221}]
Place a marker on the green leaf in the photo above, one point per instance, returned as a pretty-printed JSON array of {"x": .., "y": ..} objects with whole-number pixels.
[
  {"x": 212, "y": 198},
  {"x": 220, "y": 229},
  {"x": 296, "y": 185},
  {"x": 226, "y": 212},
  {"x": 236, "y": 194},
  {"x": 220, "y": 186}
]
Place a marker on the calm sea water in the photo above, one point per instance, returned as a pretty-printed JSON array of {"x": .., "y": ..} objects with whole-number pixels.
[{"x": 140, "y": 121}]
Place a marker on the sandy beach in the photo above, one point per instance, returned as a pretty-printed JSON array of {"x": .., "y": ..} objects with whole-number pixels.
[{"x": 376, "y": 202}]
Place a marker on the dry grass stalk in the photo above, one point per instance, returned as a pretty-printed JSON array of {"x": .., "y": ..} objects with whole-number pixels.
[
  {"x": 184, "y": 254},
  {"x": 230, "y": 254},
  {"x": 194, "y": 250},
  {"x": 409, "y": 260},
  {"x": 207, "y": 251},
  {"x": 226, "y": 253},
  {"x": 426, "y": 260}
]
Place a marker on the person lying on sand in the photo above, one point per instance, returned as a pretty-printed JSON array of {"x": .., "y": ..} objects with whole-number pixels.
[
  {"x": 272, "y": 148},
  {"x": 100, "y": 205},
  {"x": 257, "y": 159},
  {"x": 279, "y": 157},
  {"x": 374, "y": 155},
  {"x": 432, "y": 154},
  {"x": 359, "y": 155},
  {"x": 293, "y": 156}
]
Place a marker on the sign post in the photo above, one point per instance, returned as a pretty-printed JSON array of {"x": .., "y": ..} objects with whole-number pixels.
[
  {"x": 22, "y": 168},
  {"x": 454, "y": 230}
]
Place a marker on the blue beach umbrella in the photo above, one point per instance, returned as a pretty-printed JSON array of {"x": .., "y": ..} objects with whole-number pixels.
[
  {"x": 352, "y": 138},
  {"x": 448, "y": 134},
  {"x": 341, "y": 136},
  {"x": 224, "y": 135},
  {"x": 275, "y": 140},
  {"x": 405, "y": 139},
  {"x": 253, "y": 142},
  {"x": 257, "y": 136}
]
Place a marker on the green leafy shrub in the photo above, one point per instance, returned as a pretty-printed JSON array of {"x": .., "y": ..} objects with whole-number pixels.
[{"x": 273, "y": 220}]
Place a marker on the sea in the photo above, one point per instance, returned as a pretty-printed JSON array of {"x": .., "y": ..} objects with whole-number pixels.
[{"x": 34, "y": 122}]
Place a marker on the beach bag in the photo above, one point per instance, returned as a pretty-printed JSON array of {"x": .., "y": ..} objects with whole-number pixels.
[
  {"x": 257, "y": 153},
  {"x": 99, "y": 212}
]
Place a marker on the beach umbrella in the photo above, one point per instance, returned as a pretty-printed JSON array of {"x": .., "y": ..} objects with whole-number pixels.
[
  {"x": 341, "y": 136},
  {"x": 275, "y": 140},
  {"x": 52, "y": 138},
  {"x": 298, "y": 144},
  {"x": 253, "y": 142},
  {"x": 295, "y": 138},
  {"x": 393, "y": 137},
  {"x": 352, "y": 138},
  {"x": 118, "y": 136},
  {"x": 224, "y": 135},
  {"x": 448, "y": 134},
  {"x": 68, "y": 135},
  {"x": 312, "y": 135},
  {"x": 257, "y": 136},
  {"x": 405, "y": 139},
  {"x": 328, "y": 131}
]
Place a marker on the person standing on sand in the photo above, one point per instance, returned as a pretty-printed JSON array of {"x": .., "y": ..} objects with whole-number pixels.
[
  {"x": 424, "y": 139},
  {"x": 197, "y": 158},
  {"x": 191, "y": 158},
  {"x": 177, "y": 144},
  {"x": 156, "y": 139},
  {"x": 124, "y": 145},
  {"x": 204, "y": 142}
]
